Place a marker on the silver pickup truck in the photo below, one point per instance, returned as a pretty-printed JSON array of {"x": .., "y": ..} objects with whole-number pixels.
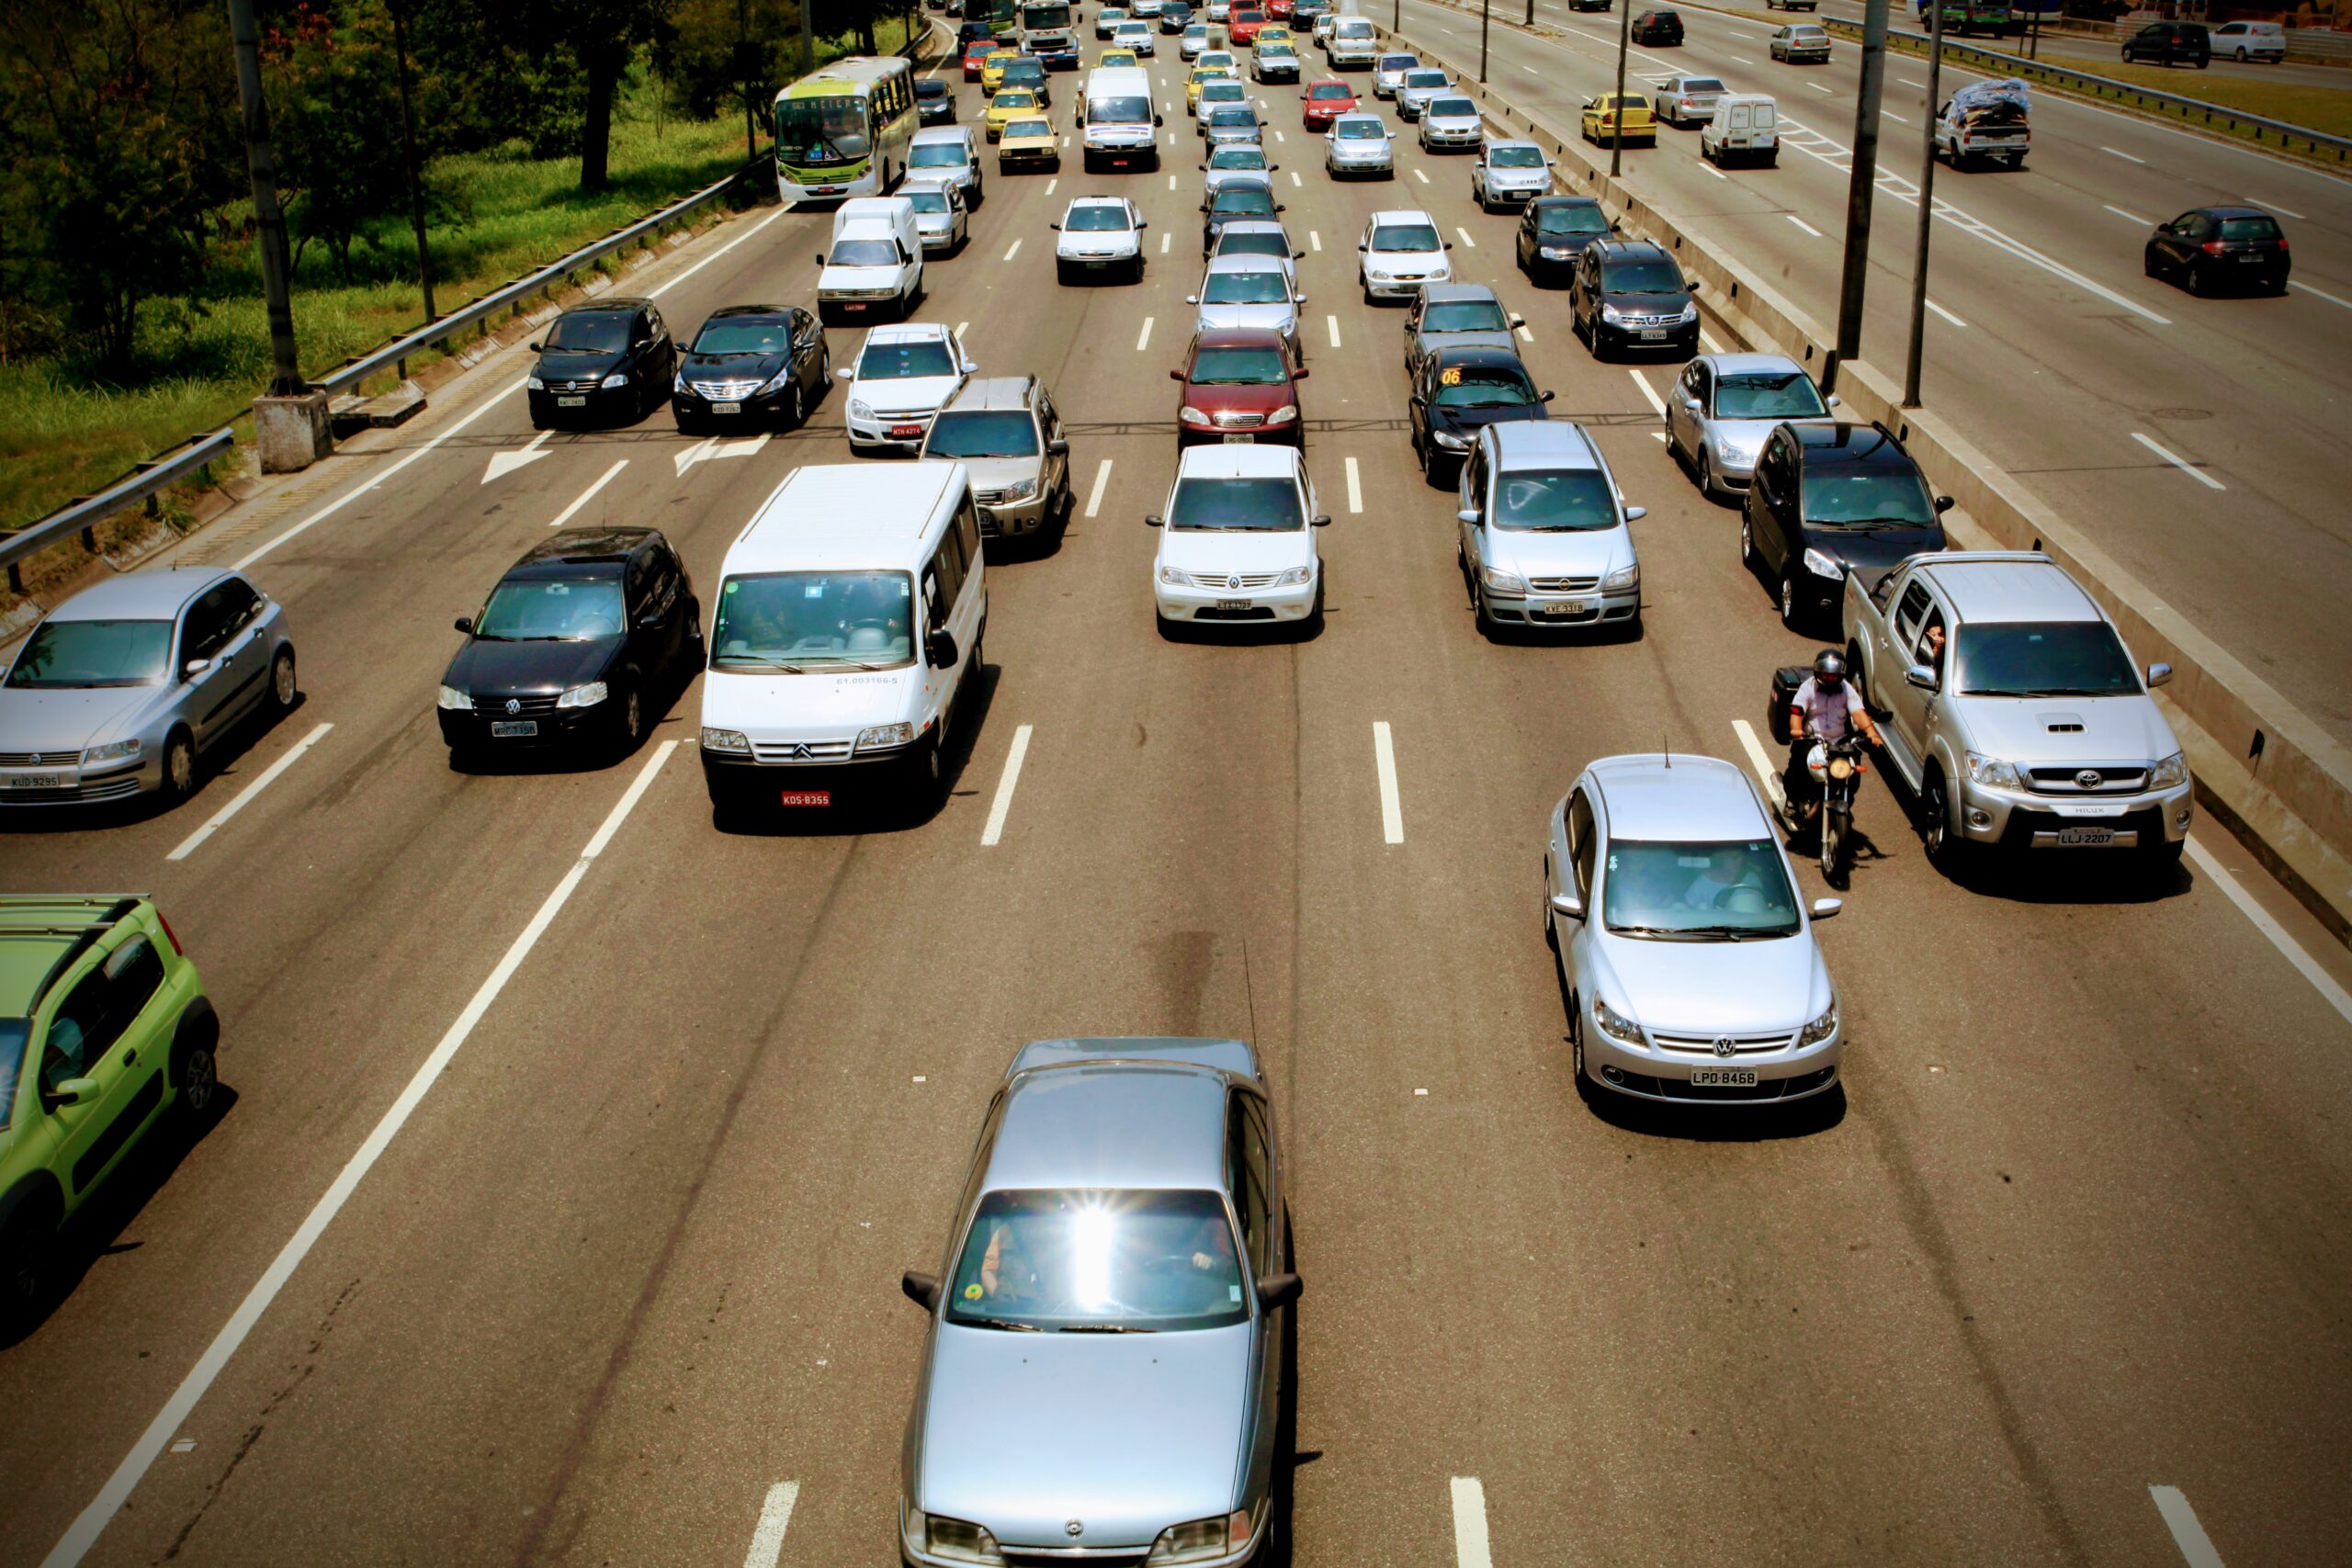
[{"x": 2012, "y": 711}]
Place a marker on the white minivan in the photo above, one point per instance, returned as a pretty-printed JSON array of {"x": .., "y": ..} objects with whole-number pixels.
[
  {"x": 1744, "y": 127},
  {"x": 875, "y": 266},
  {"x": 846, "y": 628}
]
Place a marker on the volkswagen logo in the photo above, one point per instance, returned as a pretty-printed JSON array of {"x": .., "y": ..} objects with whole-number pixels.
[
  {"x": 2090, "y": 778},
  {"x": 1723, "y": 1047},
  {"x": 1075, "y": 1528},
  {"x": 514, "y": 705},
  {"x": 1233, "y": 582}
]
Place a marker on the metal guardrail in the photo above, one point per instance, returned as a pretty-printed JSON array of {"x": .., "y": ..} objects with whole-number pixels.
[{"x": 81, "y": 516}]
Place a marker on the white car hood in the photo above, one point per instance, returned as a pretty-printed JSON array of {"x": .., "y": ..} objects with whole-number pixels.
[
  {"x": 1272, "y": 318},
  {"x": 906, "y": 394},
  {"x": 1594, "y": 554},
  {"x": 1097, "y": 242},
  {"x": 1187, "y": 550},
  {"x": 1409, "y": 264},
  {"x": 1727, "y": 988},
  {"x": 2115, "y": 729},
  {"x": 771, "y": 705},
  {"x": 837, "y": 279}
]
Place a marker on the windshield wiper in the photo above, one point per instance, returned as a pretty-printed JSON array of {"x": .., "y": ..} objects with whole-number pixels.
[
  {"x": 2046, "y": 692},
  {"x": 1732, "y": 933},
  {"x": 1101, "y": 1328},
  {"x": 1006, "y": 1324},
  {"x": 1671, "y": 933},
  {"x": 756, "y": 658}
]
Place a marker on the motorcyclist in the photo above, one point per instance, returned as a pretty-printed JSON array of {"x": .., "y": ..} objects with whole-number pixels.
[{"x": 1826, "y": 706}]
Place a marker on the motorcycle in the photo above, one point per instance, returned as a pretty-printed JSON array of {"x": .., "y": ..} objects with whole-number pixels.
[{"x": 1838, "y": 767}]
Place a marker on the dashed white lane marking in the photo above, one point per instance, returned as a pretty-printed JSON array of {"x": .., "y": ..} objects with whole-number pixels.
[
  {"x": 1766, "y": 773},
  {"x": 1278, "y": 135},
  {"x": 1331, "y": 324},
  {"x": 775, "y": 1516},
  {"x": 1524, "y": 335},
  {"x": 1466, "y": 236},
  {"x": 2125, "y": 156},
  {"x": 1172, "y": 182},
  {"x": 960, "y": 327},
  {"x": 1056, "y": 180},
  {"x": 1743, "y": 60},
  {"x": 1294, "y": 180},
  {"x": 1816, "y": 86},
  {"x": 569, "y": 513},
  {"x": 1144, "y": 337},
  {"x": 1384, "y": 759},
  {"x": 1657, "y": 405},
  {"x": 84, "y": 1532},
  {"x": 1712, "y": 170},
  {"x": 1799, "y": 222},
  {"x": 2126, "y": 217},
  {"x": 1012, "y": 250},
  {"x": 1909, "y": 83},
  {"x": 1531, "y": 71},
  {"x": 244, "y": 796},
  {"x": 1742, "y": 32},
  {"x": 1420, "y": 176},
  {"x": 1707, "y": 339},
  {"x": 2269, "y": 206},
  {"x": 1315, "y": 238},
  {"x": 2183, "y": 464},
  {"x": 1899, "y": 119},
  {"x": 2323, "y": 294},
  {"x": 1094, "y": 497},
  {"x": 1355, "y": 490},
  {"x": 2195, "y": 1547},
  {"x": 1002, "y": 805},
  {"x": 1470, "y": 1546},
  {"x": 2292, "y": 951},
  {"x": 1947, "y": 315}
]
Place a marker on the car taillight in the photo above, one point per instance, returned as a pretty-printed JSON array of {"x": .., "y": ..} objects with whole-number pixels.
[
  {"x": 177, "y": 951},
  {"x": 2211, "y": 247},
  {"x": 2282, "y": 241}
]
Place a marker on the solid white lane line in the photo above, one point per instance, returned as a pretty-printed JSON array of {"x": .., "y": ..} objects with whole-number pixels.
[
  {"x": 2127, "y": 217},
  {"x": 1467, "y": 240},
  {"x": 2292, "y": 951},
  {"x": 244, "y": 796},
  {"x": 1331, "y": 324},
  {"x": 1002, "y": 803},
  {"x": 1657, "y": 405},
  {"x": 2186, "y": 467},
  {"x": 1708, "y": 340},
  {"x": 1295, "y": 179},
  {"x": 1355, "y": 490},
  {"x": 1947, "y": 315},
  {"x": 1012, "y": 251},
  {"x": 775, "y": 1515},
  {"x": 1057, "y": 179},
  {"x": 503, "y": 462},
  {"x": 1384, "y": 758},
  {"x": 84, "y": 1532},
  {"x": 1798, "y": 221},
  {"x": 2269, "y": 206},
  {"x": 1102, "y": 478},
  {"x": 1420, "y": 176},
  {"x": 2125, "y": 156},
  {"x": 1315, "y": 238},
  {"x": 661, "y": 288},
  {"x": 2195, "y": 1547},
  {"x": 589, "y": 494},
  {"x": 1144, "y": 337},
  {"x": 2323, "y": 293},
  {"x": 1766, "y": 774},
  {"x": 1470, "y": 1546},
  {"x": 1712, "y": 170}
]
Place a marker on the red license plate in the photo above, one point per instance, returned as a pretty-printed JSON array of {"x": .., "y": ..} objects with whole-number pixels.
[
  {"x": 806, "y": 798},
  {"x": 905, "y": 432}
]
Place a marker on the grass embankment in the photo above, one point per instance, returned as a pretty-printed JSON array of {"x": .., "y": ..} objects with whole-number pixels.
[{"x": 2325, "y": 109}]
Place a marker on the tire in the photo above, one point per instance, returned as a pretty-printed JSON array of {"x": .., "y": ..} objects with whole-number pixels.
[
  {"x": 633, "y": 726},
  {"x": 2160, "y": 861},
  {"x": 1747, "y": 544},
  {"x": 1837, "y": 847},
  {"x": 1489, "y": 628},
  {"x": 799, "y": 414},
  {"x": 1946, "y": 850},
  {"x": 179, "y": 765},
  {"x": 1706, "y": 478},
  {"x": 283, "y": 691},
  {"x": 923, "y": 774},
  {"x": 2240, "y": 57},
  {"x": 1790, "y": 615},
  {"x": 2148, "y": 266},
  {"x": 2197, "y": 280},
  {"x": 196, "y": 1071},
  {"x": 27, "y": 1261}
]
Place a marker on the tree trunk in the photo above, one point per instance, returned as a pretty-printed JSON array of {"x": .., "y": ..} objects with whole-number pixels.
[{"x": 604, "y": 64}]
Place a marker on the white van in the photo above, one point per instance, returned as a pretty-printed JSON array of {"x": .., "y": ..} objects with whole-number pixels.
[
  {"x": 1116, "y": 119},
  {"x": 875, "y": 265},
  {"x": 1746, "y": 127},
  {"x": 846, "y": 627},
  {"x": 947, "y": 153},
  {"x": 2250, "y": 40}
]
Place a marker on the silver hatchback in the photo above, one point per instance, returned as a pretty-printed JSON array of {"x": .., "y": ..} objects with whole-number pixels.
[
  {"x": 1103, "y": 1374},
  {"x": 1723, "y": 407},
  {"x": 1359, "y": 144}
]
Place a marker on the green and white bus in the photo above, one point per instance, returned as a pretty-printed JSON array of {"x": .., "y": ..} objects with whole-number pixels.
[{"x": 844, "y": 129}]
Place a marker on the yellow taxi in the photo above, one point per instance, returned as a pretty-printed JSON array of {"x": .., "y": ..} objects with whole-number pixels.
[
  {"x": 1118, "y": 58},
  {"x": 992, "y": 68},
  {"x": 1011, "y": 101},
  {"x": 1028, "y": 142},
  {"x": 1270, "y": 32},
  {"x": 1601, "y": 118},
  {"x": 1205, "y": 74}
]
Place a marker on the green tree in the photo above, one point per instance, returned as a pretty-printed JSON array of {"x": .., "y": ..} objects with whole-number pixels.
[
  {"x": 335, "y": 123},
  {"x": 602, "y": 37}
]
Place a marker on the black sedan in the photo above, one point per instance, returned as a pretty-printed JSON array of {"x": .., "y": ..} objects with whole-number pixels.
[
  {"x": 611, "y": 360},
  {"x": 1456, "y": 392},
  {"x": 1242, "y": 198},
  {"x": 577, "y": 647},
  {"x": 756, "y": 362},
  {"x": 1653, "y": 28},
  {"x": 1553, "y": 231},
  {"x": 1830, "y": 500},
  {"x": 2209, "y": 249}
]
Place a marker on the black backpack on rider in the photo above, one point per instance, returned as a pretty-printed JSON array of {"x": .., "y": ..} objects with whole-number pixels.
[{"x": 1785, "y": 682}]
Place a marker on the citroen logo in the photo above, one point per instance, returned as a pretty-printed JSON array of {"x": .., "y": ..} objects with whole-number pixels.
[
  {"x": 1233, "y": 582},
  {"x": 802, "y": 752},
  {"x": 2090, "y": 778},
  {"x": 1075, "y": 1528},
  {"x": 514, "y": 705},
  {"x": 1723, "y": 1047}
]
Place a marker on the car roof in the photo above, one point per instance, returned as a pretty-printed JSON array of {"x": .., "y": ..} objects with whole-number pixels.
[
  {"x": 2004, "y": 586},
  {"x": 1450, "y": 98},
  {"x": 998, "y": 392},
  {"x": 43, "y": 934},
  {"x": 1680, "y": 795},
  {"x": 152, "y": 595},
  {"x": 908, "y": 332},
  {"x": 1491, "y": 356},
  {"x": 1338, "y": 120},
  {"x": 576, "y": 547},
  {"x": 1246, "y": 261},
  {"x": 2237, "y": 212},
  {"x": 1117, "y": 201},
  {"x": 1564, "y": 198},
  {"x": 1543, "y": 443},
  {"x": 1252, "y": 461},
  {"x": 1749, "y": 364},
  {"x": 843, "y": 515},
  {"x": 1446, "y": 293},
  {"x": 1498, "y": 146},
  {"x": 738, "y": 312},
  {"x": 1236, "y": 337},
  {"x": 1628, "y": 250},
  {"x": 958, "y": 133},
  {"x": 1391, "y": 215},
  {"x": 616, "y": 305},
  {"x": 1111, "y": 1124},
  {"x": 1842, "y": 444}
]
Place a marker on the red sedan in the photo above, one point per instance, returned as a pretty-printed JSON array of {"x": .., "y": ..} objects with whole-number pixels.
[
  {"x": 979, "y": 49},
  {"x": 1242, "y": 29},
  {"x": 1239, "y": 385},
  {"x": 1325, "y": 100},
  {"x": 1278, "y": 10}
]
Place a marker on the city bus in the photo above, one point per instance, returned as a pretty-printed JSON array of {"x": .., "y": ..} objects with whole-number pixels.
[{"x": 843, "y": 129}]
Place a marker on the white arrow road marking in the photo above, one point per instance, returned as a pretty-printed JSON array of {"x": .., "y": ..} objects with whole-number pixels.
[
  {"x": 505, "y": 463},
  {"x": 693, "y": 455}
]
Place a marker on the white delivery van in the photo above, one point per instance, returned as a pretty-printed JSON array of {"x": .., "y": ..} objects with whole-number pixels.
[
  {"x": 1116, "y": 120},
  {"x": 875, "y": 265},
  {"x": 846, "y": 628},
  {"x": 1745, "y": 129}
]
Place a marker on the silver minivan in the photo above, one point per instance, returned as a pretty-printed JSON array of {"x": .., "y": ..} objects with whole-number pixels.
[
  {"x": 1544, "y": 541},
  {"x": 1103, "y": 1376}
]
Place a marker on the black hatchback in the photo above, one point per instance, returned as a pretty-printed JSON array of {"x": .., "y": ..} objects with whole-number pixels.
[
  {"x": 1830, "y": 500},
  {"x": 1457, "y": 392},
  {"x": 1630, "y": 294},
  {"x": 934, "y": 105},
  {"x": 578, "y": 646},
  {"x": 2170, "y": 43},
  {"x": 766, "y": 363},
  {"x": 611, "y": 360},
  {"x": 2209, "y": 249},
  {"x": 1553, "y": 230},
  {"x": 1656, "y": 27}
]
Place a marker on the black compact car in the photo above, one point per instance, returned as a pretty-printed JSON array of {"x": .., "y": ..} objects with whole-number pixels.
[
  {"x": 2209, "y": 249},
  {"x": 1553, "y": 230},
  {"x": 1456, "y": 392},
  {"x": 1629, "y": 294},
  {"x": 1237, "y": 197},
  {"x": 1175, "y": 19},
  {"x": 968, "y": 33},
  {"x": 2170, "y": 43},
  {"x": 766, "y": 363},
  {"x": 1830, "y": 500},
  {"x": 576, "y": 647},
  {"x": 1655, "y": 29},
  {"x": 934, "y": 105},
  {"x": 611, "y": 360}
]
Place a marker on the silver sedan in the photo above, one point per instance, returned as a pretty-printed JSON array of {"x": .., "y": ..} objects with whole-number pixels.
[
  {"x": 1359, "y": 144},
  {"x": 1725, "y": 404},
  {"x": 1509, "y": 174}
]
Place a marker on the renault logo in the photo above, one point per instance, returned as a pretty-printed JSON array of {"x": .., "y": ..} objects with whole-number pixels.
[
  {"x": 2090, "y": 778},
  {"x": 514, "y": 705},
  {"x": 1233, "y": 582},
  {"x": 1723, "y": 1047},
  {"x": 1075, "y": 1528}
]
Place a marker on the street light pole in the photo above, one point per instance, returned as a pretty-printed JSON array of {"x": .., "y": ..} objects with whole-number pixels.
[
  {"x": 1617, "y": 106},
  {"x": 1486, "y": 10},
  {"x": 1927, "y": 213},
  {"x": 269, "y": 221},
  {"x": 1859, "y": 192}
]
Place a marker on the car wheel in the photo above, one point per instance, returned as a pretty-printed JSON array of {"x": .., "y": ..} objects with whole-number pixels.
[
  {"x": 2149, "y": 266},
  {"x": 1706, "y": 477},
  {"x": 923, "y": 774},
  {"x": 282, "y": 688},
  {"x": 2240, "y": 57},
  {"x": 1790, "y": 613},
  {"x": 2197, "y": 283},
  {"x": 1747, "y": 545},
  {"x": 1487, "y": 627},
  {"x": 1944, "y": 847},
  {"x": 28, "y": 1254},
  {"x": 179, "y": 765},
  {"x": 195, "y": 1074},
  {"x": 800, "y": 406}
]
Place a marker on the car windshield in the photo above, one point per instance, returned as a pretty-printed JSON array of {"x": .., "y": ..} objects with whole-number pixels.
[
  {"x": 928, "y": 201},
  {"x": 1399, "y": 62},
  {"x": 1014, "y": 98},
  {"x": 1118, "y": 111},
  {"x": 1659, "y": 276},
  {"x": 1079, "y": 1260},
  {"x": 1027, "y": 71},
  {"x": 2249, "y": 228},
  {"x": 736, "y": 335},
  {"x": 1565, "y": 500},
  {"x": 1483, "y": 387},
  {"x": 864, "y": 253},
  {"x": 1769, "y": 394},
  {"x": 1667, "y": 891},
  {"x": 900, "y": 361},
  {"x": 1807, "y": 35},
  {"x": 1452, "y": 109},
  {"x": 1238, "y": 158},
  {"x": 1251, "y": 243},
  {"x": 1360, "y": 129},
  {"x": 1224, "y": 90},
  {"x": 1405, "y": 237},
  {"x": 1571, "y": 217},
  {"x": 822, "y": 131},
  {"x": 1463, "y": 316},
  {"x": 14, "y": 1033},
  {"x": 1236, "y": 505},
  {"x": 1232, "y": 115},
  {"x": 1255, "y": 201},
  {"x": 1426, "y": 79},
  {"x": 603, "y": 331},
  {"x": 1267, "y": 287},
  {"x": 1867, "y": 498},
  {"x": 1329, "y": 90},
  {"x": 1239, "y": 368},
  {"x": 551, "y": 609},
  {"x": 1272, "y": 49},
  {"x": 2048, "y": 659},
  {"x": 1027, "y": 127},
  {"x": 937, "y": 155},
  {"x": 982, "y": 433},
  {"x": 67, "y": 654},
  {"x": 1099, "y": 220},
  {"x": 1516, "y": 158},
  {"x": 794, "y": 621}
]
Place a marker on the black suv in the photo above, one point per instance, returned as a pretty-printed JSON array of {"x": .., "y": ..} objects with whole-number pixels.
[
  {"x": 1553, "y": 230},
  {"x": 1630, "y": 294},
  {"x": 766, "y": 362},
  {"x": 611, "y": 359},
  {"x": 1656, "y": 27},
  {"x": 2171, "y": 43},
  {"x": 1833, "y": 498},
  {"x": 1457, "y": 392},
  {"x": 581, "y": 643}
]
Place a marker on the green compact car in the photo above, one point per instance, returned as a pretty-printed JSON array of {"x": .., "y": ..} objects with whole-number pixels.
[{"x": 103, "y": 1028}]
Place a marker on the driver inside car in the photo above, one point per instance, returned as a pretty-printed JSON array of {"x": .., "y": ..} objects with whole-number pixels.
[{"x": 1726, "y": 869}]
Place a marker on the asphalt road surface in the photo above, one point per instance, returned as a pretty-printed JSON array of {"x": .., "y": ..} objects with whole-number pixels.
[{"x": 2062, "y": 1278}]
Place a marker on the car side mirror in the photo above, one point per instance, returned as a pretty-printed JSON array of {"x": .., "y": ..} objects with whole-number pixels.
[
  {"x": 1205, "y": 168},
  {"x": 1518, "y": 321},
  {"x": 1151, "y": 522},
  {"x": 1922, "y": 676},
  {"x": 1824, "y": 908},
  {"x": 1449, "y": 244},
  {"x": 1192, "y": 298},
  {"x": 465, "y": 624},
  {"x": 1322, "y": 520},
  {"x": 821, "y": 258},
  {"x": 1364, "y": 250},
  {"x": 1142, "y": 223},
  {"x": 847, "y": 372},
  {"x": 1175, "y": 374},
  {"x": 970, "y": 366},
  {"x": 1057, "y": 447},
  {"x": 1835, "y": 400},
  {"x": 1943, "y": 503},
  {"x": 1467, "y": 514},
  {"x": 1053, "y": 226},
  {"x": 82, "y": 1091},
  {"x": 1567, "y": 904},
  {"x": 2159, "y": 672},
  {"x": 536, "y": 347},
  {"x": 920, "y": 1289},
  {"x": 194, "y": 668},
  {"x": 1546, "y": 397},
  {"x": 1636, "y": 514},
  {"x": 940, "y": 647},
  {"x": 1274, "y": 168},
  {"x": 1302, "y": 373},
  {"x": 1278, "y": 1291},
  {"x": 1157, "y": 121}
]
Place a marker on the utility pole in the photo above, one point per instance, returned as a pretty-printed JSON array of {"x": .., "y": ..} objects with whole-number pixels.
[
  {"x": 807, "y": 36},
  {"x": 1859, "y": 192},
  {"x": 415, "y": 175},
  {"x": 1617, "y": 108},
  {"x": 1927, "y": 212},
  {"x": 269, "y": 222},
  {"x": 1486, "y": 12},
  {"x": 746, "y": 57}
]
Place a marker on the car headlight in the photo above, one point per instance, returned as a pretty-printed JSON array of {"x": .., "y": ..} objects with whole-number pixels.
[
  {"x": 115, "y": 751},
  {"x": 1821, "y": 1027},
  {"x": 535, "y": 384},
  {"x": 1555, "y": 252},
  {"x": 1021, "y": 489},
  {"x": 1991, "y": 772},
  {"x": 457, "y": 701},
  {"x": 615, "y": 382},
  {"x": 678, "y": 383},
  {"x": 2170, "y": 773},
  {"x": 1821, "y": 565},
  {"x": 880, "y": 736},
  {"x": 958, "y": 1542},
  {"x": 1377, "y": 274},
  {"x": 776, "y": 382},
  {"x": 1174, "y": 579},
  {"x": 586, "y": 696},
  {"x": 1739, "y": 456},
  {"x": 1623, "y": 578},
  {"x": 1202, "y": 1540},
  {"x": 1285, "y": 415},
  {"x": 1609, "y": 313},
  {"x": 1293, "y": 576},
  {"x": 1450, "y": 442},
  {"x": 1502, "y": 581},
  {"x": 722, "y": 740},
  {"x": 1688, "y": 313},
  {"x": 1615, "y": 1024},
  {"x": 859, "y": 409}
]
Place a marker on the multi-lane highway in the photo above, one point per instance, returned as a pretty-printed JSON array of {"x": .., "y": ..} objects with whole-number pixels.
[
  {"x": 576, "y": 1145},
  {"x": 2200, "y": 442}
]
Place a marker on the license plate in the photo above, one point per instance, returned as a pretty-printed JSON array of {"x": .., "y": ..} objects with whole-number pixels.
[
  {"x": 1240, "y": 438},
  {"x": 1651, "y": 334},
  {"x": 507, "y": 728},
  {"x": 805, "y": 798},
  {"x": 1565, "y": 607},
  {"x": 2086, "y": 837},
  {"x": 1233, "y": 605},
  {"x": 905, "y": 432},
  {"x": 852, "y": 305},
  {"x": 727, "y": 408},
  {"x": 2250, "y": 258},
  {"x": 1723, "y": 1078},
  {"x": 37, "y": 780},
  {"x": 572, "y": 403}
]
